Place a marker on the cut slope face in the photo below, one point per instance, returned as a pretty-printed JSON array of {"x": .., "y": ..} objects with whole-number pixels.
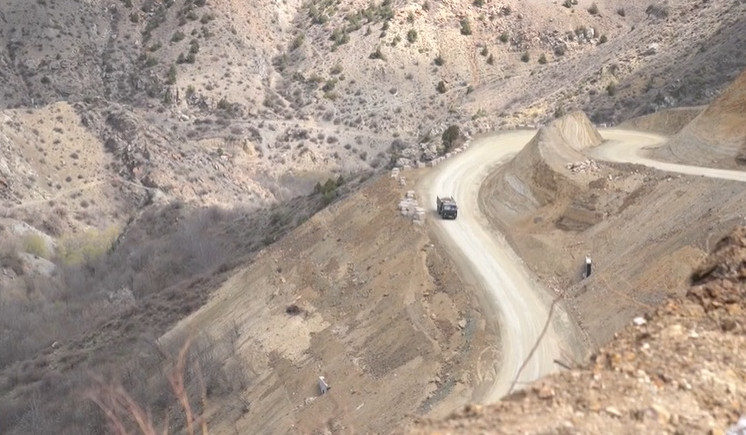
[
  {"x": 534, "y": 177},
  {"x": 667, "y": 122},
  {"x": 718, "y": 135}
]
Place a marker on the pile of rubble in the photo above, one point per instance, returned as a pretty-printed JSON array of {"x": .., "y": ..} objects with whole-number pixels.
[
  {"x": 409, "y": 207},
  {"x": 583, "y": 167},
  {"x": 396, "y": 173}
]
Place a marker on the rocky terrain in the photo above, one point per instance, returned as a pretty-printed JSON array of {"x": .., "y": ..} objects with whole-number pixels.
[
  {"x": 555, "y": 200},
  {"x": 152, "y": 151},
  {"x": 230, "y": 103}
]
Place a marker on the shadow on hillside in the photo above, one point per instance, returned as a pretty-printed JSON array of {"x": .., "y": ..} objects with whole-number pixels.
[{"x": 104, "y": 314}]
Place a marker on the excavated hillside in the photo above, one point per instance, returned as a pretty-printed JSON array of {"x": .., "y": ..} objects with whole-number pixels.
[
  {"x": 360, "y": 295},
  {"x": 538, "y": 171},
  {"x": 717, "y": 136},
  {"x": 666, "y": 361},
  {"x": 644, "y": 229},
  {"x": 666, "y": 122},
  {"x": 676, "y": 370}
]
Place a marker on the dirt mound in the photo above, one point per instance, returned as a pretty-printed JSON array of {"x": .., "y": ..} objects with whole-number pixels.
[
  {"x": 673, "y": 372},
  {"x": 538, "y": 175},
  {"x": 717, "y": 135}
]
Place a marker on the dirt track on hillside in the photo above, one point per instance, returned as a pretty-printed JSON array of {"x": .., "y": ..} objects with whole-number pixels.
[
  {"x": 520, "y": 302},
  {"x": 629, "y": 147}
]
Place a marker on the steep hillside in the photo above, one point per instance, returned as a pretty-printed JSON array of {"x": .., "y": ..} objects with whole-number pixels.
[
  {"x": 360, "y": 295},
  {"x": 717, "y": 136},
  {"x": 224, "y": 102},
  {"x": 91, "y": 304},
  {"x": 556, "y": 207},
  {"x": 672, "y": 371},
  {"x": 357, "y": 293},
  {"x": 537, "y": 175},
  {"x": 150, "y": 148}
]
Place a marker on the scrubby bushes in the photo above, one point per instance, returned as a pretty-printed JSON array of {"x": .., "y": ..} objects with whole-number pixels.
[
  {"x": 328, "y": 190},
  {"x": 110, "y": 293},
  {"x": 450, "y": 138}
]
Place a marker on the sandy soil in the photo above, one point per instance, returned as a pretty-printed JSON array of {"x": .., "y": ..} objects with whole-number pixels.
[{"x": 716, "y": 137}]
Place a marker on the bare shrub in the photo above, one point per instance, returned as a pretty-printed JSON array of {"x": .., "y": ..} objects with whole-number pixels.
[
  {"x": 293, "y": 310},
  {"x": 658, "y": 11},
  {"x": 123, "y": 412}
]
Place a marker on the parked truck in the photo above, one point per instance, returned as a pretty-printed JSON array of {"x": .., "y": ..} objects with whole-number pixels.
[{"x": 447, "y": 208}]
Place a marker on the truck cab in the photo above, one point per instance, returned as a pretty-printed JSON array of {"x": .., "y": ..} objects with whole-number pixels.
[{"x": 447, "y": 208}]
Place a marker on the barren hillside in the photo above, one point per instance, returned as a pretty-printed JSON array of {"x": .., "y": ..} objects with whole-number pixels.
[
  {"x": 556, "y": 207},
  {"x": 717, "y": 136},
  {"x": 665, "y": 362},
  {"x": 155, "y": 157},
  {"x": 360, "y": 295},
  {"x": 671, "y": 371},
  {"x": 225, "y": 102}
]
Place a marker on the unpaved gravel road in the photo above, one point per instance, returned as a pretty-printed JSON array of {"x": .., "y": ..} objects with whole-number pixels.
[
  {"x": 521, "y": 303},
  {"x": 629, "y": 146}
]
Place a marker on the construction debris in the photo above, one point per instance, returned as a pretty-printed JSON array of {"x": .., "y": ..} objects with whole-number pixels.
[
  {"x": 409, "y": 207},
  {"x": 587, "y": 166}
]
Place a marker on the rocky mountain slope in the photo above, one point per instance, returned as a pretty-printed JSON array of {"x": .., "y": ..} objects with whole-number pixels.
[
  {"x": 291, "y": 93},
  {"x": 149, "y": 148},
  {"x": 230, "y": 102}
]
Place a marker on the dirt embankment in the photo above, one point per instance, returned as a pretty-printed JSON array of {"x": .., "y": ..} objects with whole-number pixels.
[
  {"x": 717, "y": 136},
  {"x": 359, "y": 295},
  {"x": 643, "y": 229},
  {"x": 536, "y": 173},
  {"x": 672, "y": 372}
]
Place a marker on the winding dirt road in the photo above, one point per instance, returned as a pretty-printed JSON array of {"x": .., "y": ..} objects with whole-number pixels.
[
  {"x": 518, "y": 299},
  {"x": 529, "y": 343},
  {"x": 629, "y": 146}
]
